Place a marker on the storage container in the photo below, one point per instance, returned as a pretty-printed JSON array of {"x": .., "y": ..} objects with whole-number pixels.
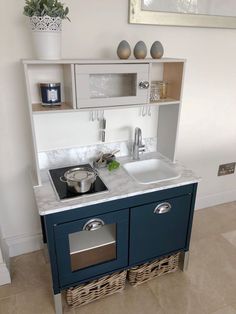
[
  {"x": 96, "y": 289},
  {"x": 50, "y": 94},
  {"x": 159, "y": 267}
]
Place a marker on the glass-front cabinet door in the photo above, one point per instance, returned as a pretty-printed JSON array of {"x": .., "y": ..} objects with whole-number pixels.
[
  {"x": 92, "y": 246},
  {"x": 105, "y": 85}
]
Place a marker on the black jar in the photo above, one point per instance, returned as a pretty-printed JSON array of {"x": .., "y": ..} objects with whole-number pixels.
[{"x": 50, "y": 94}]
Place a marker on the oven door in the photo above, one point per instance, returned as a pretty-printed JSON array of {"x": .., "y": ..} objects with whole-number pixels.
[{"x": 91, "y": 247}]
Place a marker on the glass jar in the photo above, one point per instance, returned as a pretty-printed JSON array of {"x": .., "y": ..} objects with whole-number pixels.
[
  {"x": 155, "y": 91},
  {"x": 163, "y": 86},
  {"x": 158, "y": 90}
]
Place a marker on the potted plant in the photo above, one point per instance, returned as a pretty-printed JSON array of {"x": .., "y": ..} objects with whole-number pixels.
[{"x": 46, "y": 20}]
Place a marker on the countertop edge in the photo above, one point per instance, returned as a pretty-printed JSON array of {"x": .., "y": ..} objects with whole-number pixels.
[{"x": 112, "y": 198}]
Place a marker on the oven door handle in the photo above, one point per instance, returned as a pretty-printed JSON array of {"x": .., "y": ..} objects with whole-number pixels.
[{"x": 93, "y": 224}]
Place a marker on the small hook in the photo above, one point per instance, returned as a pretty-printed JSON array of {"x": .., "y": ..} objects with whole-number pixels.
[
  {"x": 140, "y": 110},
  {"x": 100, "y": 115},
  {"x": 144, "y": 111},
  {"x": 94, "y": 115},
  {"x": 91, "y": 115}
]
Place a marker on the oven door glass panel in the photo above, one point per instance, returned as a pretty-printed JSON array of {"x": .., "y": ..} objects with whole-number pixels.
[
  {"x": 89, "y": 248},
  {"x": 112, "y": 85}
]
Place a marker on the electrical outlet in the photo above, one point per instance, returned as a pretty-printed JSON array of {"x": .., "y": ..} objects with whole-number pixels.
[{"x": 226, "y": 169}]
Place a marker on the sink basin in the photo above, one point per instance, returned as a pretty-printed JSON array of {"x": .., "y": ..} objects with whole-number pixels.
[{"x": 150, "y": 171}]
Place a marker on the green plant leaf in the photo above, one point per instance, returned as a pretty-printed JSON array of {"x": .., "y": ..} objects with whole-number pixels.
[
  {"x": 113, "y": 165},
  {"x": 51, "y": 8}
]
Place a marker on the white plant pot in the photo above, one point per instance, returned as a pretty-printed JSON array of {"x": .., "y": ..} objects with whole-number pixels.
[
  {"x": 47, "y": 45},
  {"x": 46, "y": 33}
]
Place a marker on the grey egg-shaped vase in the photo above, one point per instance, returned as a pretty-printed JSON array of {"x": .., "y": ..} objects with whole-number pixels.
[
  {"x": 123, "y": 50},
  {"x": 157, "y": 50},
  {"x": 140, "y": 50}
]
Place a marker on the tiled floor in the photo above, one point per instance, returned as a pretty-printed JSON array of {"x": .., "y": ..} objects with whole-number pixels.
[{"x": 209, "y": 285}]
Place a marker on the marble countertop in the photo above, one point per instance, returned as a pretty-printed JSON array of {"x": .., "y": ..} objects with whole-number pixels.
[{"x": 119, "y": 183}]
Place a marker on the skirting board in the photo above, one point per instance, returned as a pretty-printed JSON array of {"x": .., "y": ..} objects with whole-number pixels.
[
  {"x": 5, "y": 253},
  {"x": 24, "y": 244},
  {"x": 215, "y": 199},
  {"x": 4, "y": 274}
]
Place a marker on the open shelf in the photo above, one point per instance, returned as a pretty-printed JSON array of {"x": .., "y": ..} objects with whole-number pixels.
[
  {"x": 39, "y": 108},
  {"x": 171, "y": 73},
  {"x": 50, "y": 73}
]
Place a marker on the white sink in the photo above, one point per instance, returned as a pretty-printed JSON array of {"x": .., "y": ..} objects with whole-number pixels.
[{"x": 150, "y": 171}]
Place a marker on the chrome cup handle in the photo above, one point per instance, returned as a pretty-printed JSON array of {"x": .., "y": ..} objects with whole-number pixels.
[
  {"x": 93, "y": 224},
  {"x": 162, "y": 208}
]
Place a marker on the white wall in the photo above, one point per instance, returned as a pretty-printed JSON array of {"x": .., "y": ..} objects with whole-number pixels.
[{"x": 207, "y": 130}]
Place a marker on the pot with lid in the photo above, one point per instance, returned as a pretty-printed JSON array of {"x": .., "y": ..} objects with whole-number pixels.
[{"x": 79, "y": 179}]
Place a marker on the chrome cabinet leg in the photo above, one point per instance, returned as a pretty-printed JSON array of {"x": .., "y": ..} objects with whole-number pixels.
[
  {"x": 58, "y": 303},
  {"x": 184, "y": 260}
]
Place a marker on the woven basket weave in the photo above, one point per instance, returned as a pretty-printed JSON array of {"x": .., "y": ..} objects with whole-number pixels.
[
  {"x": 147, "y": 271},
  {"x": 96, "y": 289}
]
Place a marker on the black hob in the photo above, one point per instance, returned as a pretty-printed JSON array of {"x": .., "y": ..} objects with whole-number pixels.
[{"x": 61, "y": 187}]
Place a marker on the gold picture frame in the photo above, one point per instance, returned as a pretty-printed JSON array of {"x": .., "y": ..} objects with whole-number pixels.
[{"x": 139, "y": 16}]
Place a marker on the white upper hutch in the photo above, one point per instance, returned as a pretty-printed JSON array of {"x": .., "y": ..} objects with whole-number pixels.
[{"x": 105, "y": 84}]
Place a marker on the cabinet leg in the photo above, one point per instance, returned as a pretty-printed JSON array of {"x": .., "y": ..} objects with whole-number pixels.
[
  {"x": 184, "y": 260},
  {"x": 58, "y": 303}
]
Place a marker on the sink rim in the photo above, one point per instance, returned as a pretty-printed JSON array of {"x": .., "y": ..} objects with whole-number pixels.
[{"x": 166, "y": 165}]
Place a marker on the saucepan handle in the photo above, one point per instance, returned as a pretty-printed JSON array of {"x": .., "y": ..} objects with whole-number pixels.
[{"x": 63, "y": 179}]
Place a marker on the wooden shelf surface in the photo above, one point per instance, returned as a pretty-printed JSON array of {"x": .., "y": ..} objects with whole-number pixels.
[
  {"x": 39, "y": 108},
  {"x": 165, "y": 101}
]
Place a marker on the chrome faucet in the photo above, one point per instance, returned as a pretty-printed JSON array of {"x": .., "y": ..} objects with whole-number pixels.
[{"x": 137, "y": 145}]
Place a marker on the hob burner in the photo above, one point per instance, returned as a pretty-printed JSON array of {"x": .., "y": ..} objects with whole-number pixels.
[{"x": 62, "y": 190}]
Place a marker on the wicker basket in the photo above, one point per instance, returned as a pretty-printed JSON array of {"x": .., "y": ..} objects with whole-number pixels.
[
  {"x": 96, "y": 289},
  {"x": 147, "y": 271}
]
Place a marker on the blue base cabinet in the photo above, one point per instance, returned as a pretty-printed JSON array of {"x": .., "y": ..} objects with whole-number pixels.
[
  {"x": 92, "y": 241},
  {"x": 158, "y": 228}
]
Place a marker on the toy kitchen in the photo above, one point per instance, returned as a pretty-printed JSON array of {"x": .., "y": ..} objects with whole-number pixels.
[{"x": 110, "y": 208}]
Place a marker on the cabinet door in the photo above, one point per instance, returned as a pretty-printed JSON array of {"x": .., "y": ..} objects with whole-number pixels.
[
  {"x": 89, "y": 247},
  {"x": 158, "y": 228},
  {"x": 106, "y": 85}
]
